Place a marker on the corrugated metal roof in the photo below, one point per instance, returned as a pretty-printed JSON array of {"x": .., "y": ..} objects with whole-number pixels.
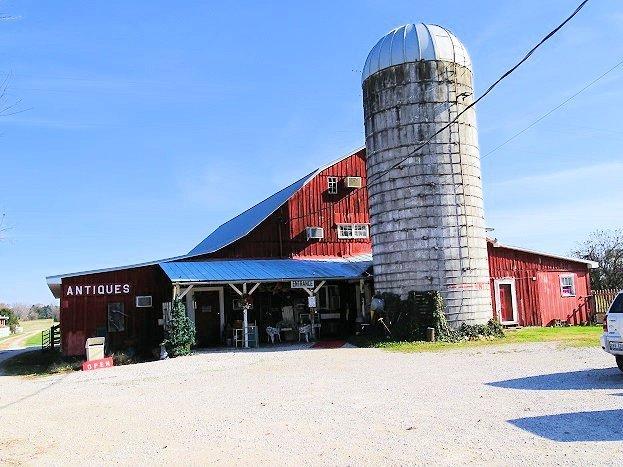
[
  {"x": 590, "y": 264},
  {"x": 263, "y": 270},
  {"x": 412, "y": 43},
  {"x": 244, "y": 223}
]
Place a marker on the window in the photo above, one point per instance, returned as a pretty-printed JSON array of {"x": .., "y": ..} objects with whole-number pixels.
[
  {"x": 567, "y": 285},
  {"x": 332, "y": 185},
  {"x": 329, "y": 297},
  {"x": 143, "y": 301},
  {"x": 353, "y": 231},
  {"x": 116, "y": 317},
  {"x": 617, "y": 305}
]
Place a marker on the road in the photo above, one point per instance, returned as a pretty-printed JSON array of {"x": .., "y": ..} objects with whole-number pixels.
[{"x": 519, "y": 404}]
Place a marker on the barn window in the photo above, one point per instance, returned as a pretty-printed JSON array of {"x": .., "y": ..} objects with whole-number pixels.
[
  {"x": 116, "y": 317},
  {"x": 329, "y": 297},
  {"x": 567, "y": 285},
  {"x": 353, "y": 231},
  {"x": 332, "y": 185}
]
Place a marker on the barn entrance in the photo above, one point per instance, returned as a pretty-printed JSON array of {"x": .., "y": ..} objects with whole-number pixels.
[
  {"x": 207, "y": 318},
  {"x": 506, "y": 301}
]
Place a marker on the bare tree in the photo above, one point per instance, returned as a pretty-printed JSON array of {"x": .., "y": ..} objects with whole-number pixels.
[{"x": 605, "y": 247}]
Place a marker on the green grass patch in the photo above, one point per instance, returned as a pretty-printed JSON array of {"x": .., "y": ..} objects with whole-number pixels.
[
  {"x": 40, "y": 363},
  {"x": 573, "y": 336},
  {"x": 33, "y": 340}
]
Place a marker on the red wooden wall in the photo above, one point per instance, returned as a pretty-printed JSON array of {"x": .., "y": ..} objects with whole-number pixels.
[
  {"x": 82, "y": 315},
  {"x": 283, "y": 235},
  {"x": 537, "y": 285}
]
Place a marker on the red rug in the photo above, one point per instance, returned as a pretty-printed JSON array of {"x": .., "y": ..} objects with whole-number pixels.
[{"x": 329, "y": 344}]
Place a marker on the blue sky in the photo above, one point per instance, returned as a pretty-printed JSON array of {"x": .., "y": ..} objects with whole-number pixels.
[{"x": 150, "y": 123}]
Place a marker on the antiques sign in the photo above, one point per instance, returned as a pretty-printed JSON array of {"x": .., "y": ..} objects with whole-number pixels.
[
  {"x": 102, "y": 289},
  {"x": 302, "y": 284}
]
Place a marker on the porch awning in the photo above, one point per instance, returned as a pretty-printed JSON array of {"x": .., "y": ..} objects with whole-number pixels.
[{"x": 264, "y": 270}]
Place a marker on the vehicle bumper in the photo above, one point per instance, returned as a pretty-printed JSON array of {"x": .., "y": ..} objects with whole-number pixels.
[{"x": 605, "y": 344}]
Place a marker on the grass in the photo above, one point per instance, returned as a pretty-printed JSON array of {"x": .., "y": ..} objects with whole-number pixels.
[
  {"x": 573, "y": 336},
  {"x": 33, "y": 340},
  {"x": 40, "y": 363}
]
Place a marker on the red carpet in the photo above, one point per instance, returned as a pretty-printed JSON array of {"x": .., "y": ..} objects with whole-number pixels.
[{"x": 328, "y": 344}]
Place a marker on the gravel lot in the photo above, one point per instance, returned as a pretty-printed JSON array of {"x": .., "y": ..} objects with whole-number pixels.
[{"x": 496, "y": 405}]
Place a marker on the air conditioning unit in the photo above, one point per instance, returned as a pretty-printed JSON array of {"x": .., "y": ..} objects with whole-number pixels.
[
  {"x": 353, "y": 182},
  {"x": 314, "y": 232},
  {"x": 143, "y": 301}
]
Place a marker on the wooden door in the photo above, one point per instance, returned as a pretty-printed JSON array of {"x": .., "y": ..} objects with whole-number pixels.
[
  {"x": 506, "y": 303},
  {"x": 207, "y": 319}
]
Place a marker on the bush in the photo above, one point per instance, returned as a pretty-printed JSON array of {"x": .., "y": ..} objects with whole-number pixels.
[
  {"x": 13, "y": 319},
  {"x": 180, "y": 333},
  {"x": 407, "y": 320}
]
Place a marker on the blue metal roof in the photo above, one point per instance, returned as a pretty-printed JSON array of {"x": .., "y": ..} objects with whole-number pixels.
[
  {"x": 243, "y": 223},
  {"x": 263, "y": 270}
]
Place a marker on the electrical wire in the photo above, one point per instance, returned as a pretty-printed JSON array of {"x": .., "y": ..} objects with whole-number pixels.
[
  {"x": 489, "y": 89},
  {"x": 547, "y": 114}
]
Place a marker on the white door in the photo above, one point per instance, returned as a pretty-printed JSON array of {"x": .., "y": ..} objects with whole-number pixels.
[{"x": 506, "y": 301}]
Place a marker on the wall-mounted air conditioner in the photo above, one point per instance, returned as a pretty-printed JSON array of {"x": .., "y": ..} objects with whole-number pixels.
[
  {"x": 314, "y": 233},
  {"x": 353, "y": 182}
]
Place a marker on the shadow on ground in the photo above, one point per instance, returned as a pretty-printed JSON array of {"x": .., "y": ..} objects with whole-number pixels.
[
  {"x": 602, "y": 425},
  {"x": 599, "y": 378}
]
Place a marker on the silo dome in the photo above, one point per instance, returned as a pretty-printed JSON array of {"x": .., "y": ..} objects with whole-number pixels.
[{"x": 412, "y": 43}]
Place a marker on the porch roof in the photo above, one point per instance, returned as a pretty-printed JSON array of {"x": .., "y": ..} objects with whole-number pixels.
[{"x": 265, "y": 270}]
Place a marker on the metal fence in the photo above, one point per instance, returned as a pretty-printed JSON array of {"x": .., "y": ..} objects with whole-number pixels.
[{"x": 600, "y": 302}]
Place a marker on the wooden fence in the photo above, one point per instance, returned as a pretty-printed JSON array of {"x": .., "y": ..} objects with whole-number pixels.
[{"x": 600, "y": 302}]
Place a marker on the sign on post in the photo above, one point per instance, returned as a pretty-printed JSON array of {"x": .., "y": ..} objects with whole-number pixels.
[{"x": 302, "y": 284}]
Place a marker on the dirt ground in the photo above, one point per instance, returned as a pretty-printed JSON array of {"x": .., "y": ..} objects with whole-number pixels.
[{"x": 519, "y": 404}]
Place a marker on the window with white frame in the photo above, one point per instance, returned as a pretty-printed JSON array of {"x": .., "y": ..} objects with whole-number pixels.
[
  {"x": 332, "y": 185},
  {"x": 567, "y": 285},
  {"x": 353, "y": 231},
  {"x": 329, "y": 297}
]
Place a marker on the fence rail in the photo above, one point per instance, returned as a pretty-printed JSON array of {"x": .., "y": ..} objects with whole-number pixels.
[
  {"x": 600, "y": 301},
  {"x": 51, "y": 338}
]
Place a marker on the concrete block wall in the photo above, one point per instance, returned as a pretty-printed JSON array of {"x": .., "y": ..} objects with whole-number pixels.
[{"x": 427, "y": 216}]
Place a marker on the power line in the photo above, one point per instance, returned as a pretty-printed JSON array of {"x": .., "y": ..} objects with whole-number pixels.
[
  {"x": 489, "y": 89},
  {"x": 547, "y": 114}
]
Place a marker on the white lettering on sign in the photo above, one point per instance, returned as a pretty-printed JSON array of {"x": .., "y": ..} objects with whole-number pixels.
[
  {"x": 302, "y": 284},
  {"x": 100, "y": 289}
]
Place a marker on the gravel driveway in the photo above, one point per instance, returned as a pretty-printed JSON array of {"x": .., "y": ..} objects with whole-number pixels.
[{"x": 496, "y": 405}]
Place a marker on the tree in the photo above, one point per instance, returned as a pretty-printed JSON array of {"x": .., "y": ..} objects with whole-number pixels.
[
  {"x": 605, "y": 247},
  {"x": 13, "y": 319},
  {"x": 180, "y": 334}
]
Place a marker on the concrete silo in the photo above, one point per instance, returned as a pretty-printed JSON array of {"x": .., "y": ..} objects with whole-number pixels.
[{"x": 426, "y": 207}]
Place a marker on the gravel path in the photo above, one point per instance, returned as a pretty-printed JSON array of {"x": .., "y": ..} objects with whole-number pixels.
[{"x": 509, "y": 405}]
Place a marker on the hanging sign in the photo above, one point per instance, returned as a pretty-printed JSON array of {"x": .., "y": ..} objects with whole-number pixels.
[{"x": 302, "y": 284}]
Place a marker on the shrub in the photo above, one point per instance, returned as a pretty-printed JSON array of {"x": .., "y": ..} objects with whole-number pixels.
[
  {"x": 180, "y": 333},
  {"x": 408, "y": 319}
]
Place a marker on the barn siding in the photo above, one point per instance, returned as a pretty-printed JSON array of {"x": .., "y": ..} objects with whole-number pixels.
[
  {"x": 82, "y": 316},
  {"x": 537, "y": 284}
]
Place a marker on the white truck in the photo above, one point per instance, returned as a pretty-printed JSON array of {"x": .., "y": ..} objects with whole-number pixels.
[{"x": 612, "y": 339}]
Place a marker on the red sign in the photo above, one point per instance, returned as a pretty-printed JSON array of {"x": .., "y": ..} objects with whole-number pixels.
[{"x": 97, "y": 364}]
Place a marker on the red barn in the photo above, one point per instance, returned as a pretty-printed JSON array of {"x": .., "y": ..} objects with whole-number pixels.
[
  {"x": 531, "y": 288},
  {"x": 304, "y": 257}
]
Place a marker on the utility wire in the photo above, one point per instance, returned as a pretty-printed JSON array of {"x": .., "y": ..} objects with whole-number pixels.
[
  {"x": 489, "y": 89},
  {"x": 547, "y": 114}
]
